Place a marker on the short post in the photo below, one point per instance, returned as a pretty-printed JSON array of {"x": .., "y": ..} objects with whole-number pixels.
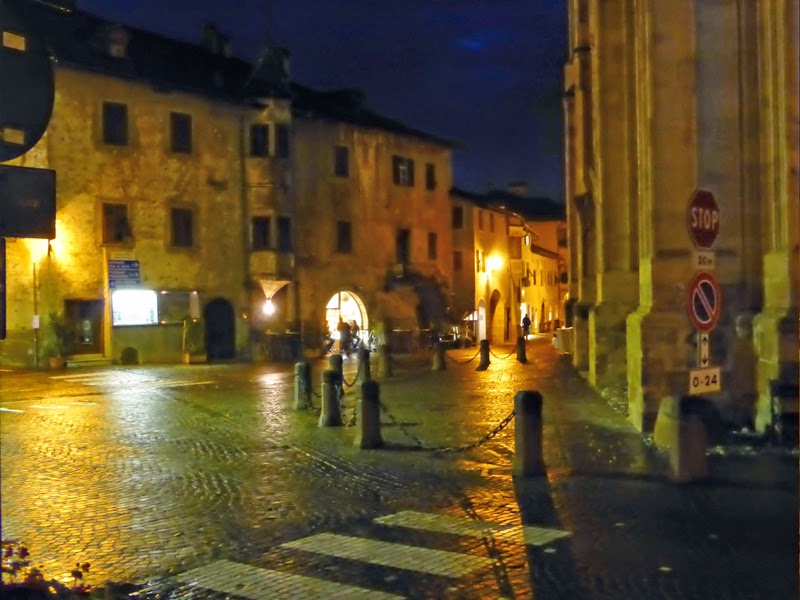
[
  {"x": 528, "y": 435},
  {"x": 438, "y": 357},
  {"x": 521, "y": 351},
  {"x": 484, "y": 363},
  {"x": 331, "y": 415},
  {"x": 385, "y": 361},
  {"x": 302, "y": 385},
  {"x": 368, "y": 417},
  {"x": 336, "y": 363},
  {"x": 687, "y": 457},
  {"x": 363, "y": 363}
]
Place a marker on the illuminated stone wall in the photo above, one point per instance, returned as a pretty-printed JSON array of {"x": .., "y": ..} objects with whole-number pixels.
[
  {"x": 376, "y": 208},
  {"x": 663, "y": 98},
  {"x": 147, "y": 177}
]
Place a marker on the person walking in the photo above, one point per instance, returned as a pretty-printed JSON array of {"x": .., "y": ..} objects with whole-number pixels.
[{"x": 526, "y": 325}]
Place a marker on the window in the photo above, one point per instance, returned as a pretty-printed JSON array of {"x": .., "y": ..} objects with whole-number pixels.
[
  {"x": 282, "y": 132},
  {"x": 491, "y": 221},
  {"x": 430, "y": 176},
  {"x": 115, "y": 224},
  {"x": 344, "y": 237},
  {"x": 480, "y": 219},
  {"x": 182, "y": 221},
  {"x": 115, "y": 123},
  {"x": 458, "y": 217},
  {"x": 403, "y": 171},
  {"x": 515, "y": 248},
  {"x": 341, "y": 161},
  {"x": 432, "y": 250},
  {"x": 479, "y": 266},
  {"x": 458, "y": 261},
  {"x": 259, "y": 139},
  {"x": 181, "y": 129},
  {"x": 403, "y": 246},
  {"x": 261, "y": 233},
  {"x": 284, "y": 234}
]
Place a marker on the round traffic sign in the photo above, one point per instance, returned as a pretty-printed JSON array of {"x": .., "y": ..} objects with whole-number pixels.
[
  {"x": 26, "y": 85},
  {"x": 703, "y": 219},
  {"x": 704, "y": 301}
]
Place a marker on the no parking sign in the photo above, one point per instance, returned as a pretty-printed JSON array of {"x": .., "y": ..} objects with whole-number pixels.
[{"x": 704, "y": 301}]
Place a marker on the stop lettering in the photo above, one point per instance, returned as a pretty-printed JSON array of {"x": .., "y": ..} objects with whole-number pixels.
[{"x": 703, "y": 219}]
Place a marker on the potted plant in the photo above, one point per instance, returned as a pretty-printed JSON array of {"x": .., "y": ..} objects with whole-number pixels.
[{"x": 59, "y": 340}]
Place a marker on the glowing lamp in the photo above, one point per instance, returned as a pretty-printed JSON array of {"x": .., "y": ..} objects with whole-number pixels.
[
  {"x": 269, "y": 307},
  {"x": 494, "y": 263}
]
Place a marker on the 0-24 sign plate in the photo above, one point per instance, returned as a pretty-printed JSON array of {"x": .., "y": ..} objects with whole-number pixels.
[{"x": 705, "y": 381}]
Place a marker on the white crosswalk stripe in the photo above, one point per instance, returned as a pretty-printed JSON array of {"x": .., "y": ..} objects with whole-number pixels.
[
  {"x": 525, "y": 534},
  {"x": 387, "y": 554},
  {"x": 262, "y": 584}
]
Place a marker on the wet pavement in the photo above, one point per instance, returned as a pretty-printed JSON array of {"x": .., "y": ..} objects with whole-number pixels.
[{"x": 201, "y": 481}]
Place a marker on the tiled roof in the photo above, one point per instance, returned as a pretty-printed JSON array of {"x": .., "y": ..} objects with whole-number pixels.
[
  {"x": 349, "y": 106},
  {"x": 80, "y": 40},
  {"x": 531, "y": 208}
]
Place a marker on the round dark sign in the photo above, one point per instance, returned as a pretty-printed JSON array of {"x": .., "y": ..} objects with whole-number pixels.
[
  {"x": 26, "y": 85},
  {"x": 704, "y": 301}
]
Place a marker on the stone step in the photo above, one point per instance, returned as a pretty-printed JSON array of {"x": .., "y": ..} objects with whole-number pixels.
[{"x": 88, "y": 360}]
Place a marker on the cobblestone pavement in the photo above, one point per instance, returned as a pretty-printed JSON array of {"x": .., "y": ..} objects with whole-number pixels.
[{"x": 201, "y": 481}]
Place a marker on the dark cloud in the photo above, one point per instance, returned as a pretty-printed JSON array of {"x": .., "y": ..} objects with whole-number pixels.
[{"x": 486, "y": 73}]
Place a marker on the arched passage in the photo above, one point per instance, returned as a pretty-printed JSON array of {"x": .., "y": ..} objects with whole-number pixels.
[
  {"x": 348, "y": 307},
  {"x": 220, "y": 332}
]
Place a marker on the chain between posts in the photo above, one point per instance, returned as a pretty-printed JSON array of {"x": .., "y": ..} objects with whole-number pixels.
[
  {"x": 502, "y": 357},
  {"x": 479, "y": 442},
  {"x": 358, "y": 372},
  {"x": 462, "y": 362}
]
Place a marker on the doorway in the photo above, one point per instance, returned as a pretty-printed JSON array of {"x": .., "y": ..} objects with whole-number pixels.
[
  {"x": 85, "y": 320},
  {"x": 220, "y": 331}
]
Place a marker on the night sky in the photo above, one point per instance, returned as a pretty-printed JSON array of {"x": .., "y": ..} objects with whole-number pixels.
[{"x": 484, "y": 73}]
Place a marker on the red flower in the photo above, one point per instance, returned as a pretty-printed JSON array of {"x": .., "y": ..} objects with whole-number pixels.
[
  {"x": 9, "y": 551},
  {"x": 23, "y": 552}
]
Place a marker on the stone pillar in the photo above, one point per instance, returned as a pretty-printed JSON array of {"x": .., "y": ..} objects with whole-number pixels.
[
  {"x": 302, "y": 385},
  {"x": 368, "y": 417},
  {"x": 682, "y": 428},
  {"x": 331, "y": 415},
  {"x": 666, "y": 128},
  {"x": 521, "y": 357},
  {"x": 385, "y": 366},
  {"x": 528, "y": 435},
  {"x": 363, "y": 364},
  {"x": 484, "y": 361},
  {"x": 438, "y": 357}
]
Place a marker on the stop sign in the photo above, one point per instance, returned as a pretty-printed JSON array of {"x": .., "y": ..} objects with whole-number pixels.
[{"x": 703, "y": 219}]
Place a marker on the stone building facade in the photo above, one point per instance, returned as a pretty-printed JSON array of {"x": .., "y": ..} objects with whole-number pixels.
[
  {"x": 664, "y": 98},
  {"x": 509, "y": 263},
  {"x": 373, "y": 212},
  {"x": 163, "y": 151}
]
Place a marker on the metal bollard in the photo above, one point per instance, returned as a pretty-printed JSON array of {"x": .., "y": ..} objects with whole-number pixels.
[
  {"x": 528, "y": 435},
  {"x": 484, "y": 363},
  {"x": 363, "y": 364},
  {"x": 385, "y": 367},
  {"x": 331, "y": 415},
  {"x": 687, "y": 456},
  {"x": 521, "y": 351},
  {"x": 438, "y": 357},
  {"x": 302, "y": 385},
  {"x": 368, "y": 417}
]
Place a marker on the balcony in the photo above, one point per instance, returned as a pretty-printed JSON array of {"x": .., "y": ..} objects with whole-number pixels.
[{"x": 271, "y": 264}]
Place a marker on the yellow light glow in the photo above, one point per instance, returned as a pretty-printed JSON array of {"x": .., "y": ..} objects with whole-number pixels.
[
  {"x": 269, "y": 307},
  {"x": 494, "y": 262},
  {"x": 37, "y": 249}
]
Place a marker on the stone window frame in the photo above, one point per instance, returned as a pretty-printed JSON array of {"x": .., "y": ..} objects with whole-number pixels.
[
  {"x": 170, "y": 223},
  {"x": 457, "y": 218},
  {"x": 344, "y": 237},
  {"x": 433, "y": 245},
  {"x": 258, "y": 147},
  {"x": 268, "y": 240},
  {"x": 108, "y": 135},
  {"x": 177, "y": 144},
  {"x": 341, "y": 160},
  {"x": 402, "y": 170},
  {"x": 126, "y": 238},
  {"x": 430, "y": 176}
]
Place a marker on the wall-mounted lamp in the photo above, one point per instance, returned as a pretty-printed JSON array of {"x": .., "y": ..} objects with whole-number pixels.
[{"x": 494, "y": 262}]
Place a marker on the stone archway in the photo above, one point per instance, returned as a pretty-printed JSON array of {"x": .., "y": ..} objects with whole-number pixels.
[
  {"x": 350, "y": 308},
  {"x": 220, "y": 330},
  {"x": 496, "y": 318}
]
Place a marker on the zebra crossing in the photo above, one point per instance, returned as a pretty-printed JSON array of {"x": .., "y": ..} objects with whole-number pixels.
[
  {"x": 254, "y": 583},
  {"x": 124, "y": 381}
]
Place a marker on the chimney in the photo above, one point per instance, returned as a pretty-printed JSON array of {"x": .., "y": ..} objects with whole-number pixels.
[
  {"x": 212, "y": 40},
  {"x": 518, "y": 188}
]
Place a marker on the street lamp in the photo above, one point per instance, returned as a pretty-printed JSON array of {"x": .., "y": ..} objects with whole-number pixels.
[
  {"x": 269, "y": 307},
  {"x": 494, "y": 262}
]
